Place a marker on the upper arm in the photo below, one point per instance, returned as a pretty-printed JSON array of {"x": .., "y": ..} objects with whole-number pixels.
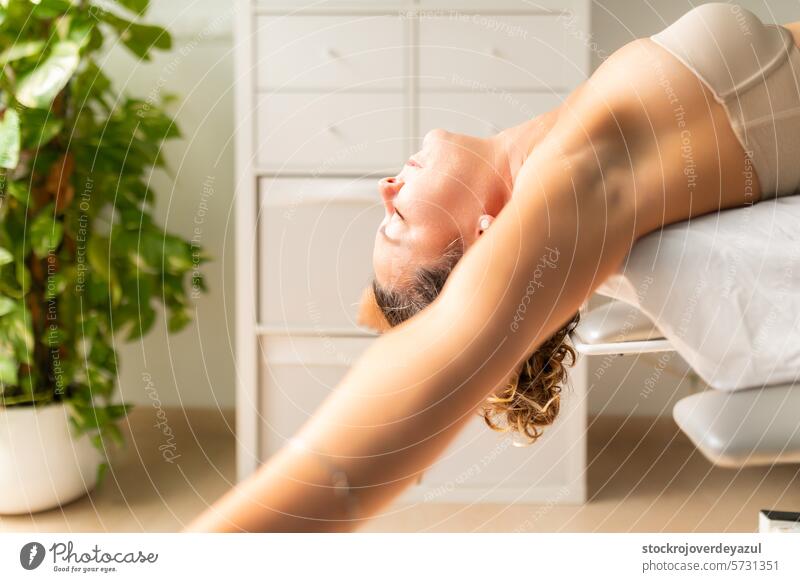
[
  {"x": 571, "y": 202},
  {"x": 794, "y": 28}
]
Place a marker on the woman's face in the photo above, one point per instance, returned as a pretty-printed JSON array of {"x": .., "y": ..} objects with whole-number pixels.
[{"x": 437, "y": 198}]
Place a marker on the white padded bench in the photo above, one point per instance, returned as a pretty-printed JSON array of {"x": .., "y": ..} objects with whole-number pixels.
[{"x": 757, "y": 426}]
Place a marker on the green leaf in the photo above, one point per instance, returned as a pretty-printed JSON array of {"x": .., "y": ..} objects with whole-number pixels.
[
  {"x": 153, "y": 122},
  {"x": 99, "y": 260},
  {"x": 40, "y": 132},
  {"x": 177, "y": 255},
  {"x": 16, "y": 333},
  {"x": 76, "y": 28},
  {"x": 39, "y": 87},
  {"x": 45, "y": 232},
  {"x": 102, "y": 468},
  {"x": 5, "y": 256},
  {"x": 56, "y": 283},
  {"x": 21, "y": 50},
  {"x": 137, "y": 6},
  {"x": 142, "y": 322},
  {"x": 101, "y": 264},
  {"x": 89, "y": 82},
  {"x": 19, "y": 191},
  {"x": 117, "y": 411},
  {"x": 139, "y": 38},
  {"x": 178, "y": 319},
  {"x": 9, "y": 139},
  {"x": 23, "y": 276},
  {"x": 199, "y": 283},
  {"x": 7, "y": 305},
  {"x": 8, "y": 368},
  {"x": 113, "y": 431},
  {"x": 54, "y": 336},
  {"x": 47, "y": 9}
]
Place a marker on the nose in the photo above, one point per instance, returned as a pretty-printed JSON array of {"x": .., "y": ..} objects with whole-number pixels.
[
  {"x": 434, "y": 134},
  {"x": 389, "y": 187}
]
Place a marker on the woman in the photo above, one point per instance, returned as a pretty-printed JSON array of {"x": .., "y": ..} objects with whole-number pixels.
[{"x": 501, "y": 240}]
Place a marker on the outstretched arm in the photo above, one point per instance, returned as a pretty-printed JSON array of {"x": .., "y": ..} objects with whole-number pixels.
[{"x": 415, "y": 387}]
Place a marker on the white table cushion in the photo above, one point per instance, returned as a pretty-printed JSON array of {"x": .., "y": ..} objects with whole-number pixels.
[
  {"x": 724, "y": 289},
  {"x": 748, "y": 427}
]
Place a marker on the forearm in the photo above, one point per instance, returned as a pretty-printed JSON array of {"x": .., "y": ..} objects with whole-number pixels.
[{"x": 383, "y": 425}]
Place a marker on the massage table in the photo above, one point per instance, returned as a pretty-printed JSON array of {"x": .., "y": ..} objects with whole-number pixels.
[{"x": 723, "y": 291}]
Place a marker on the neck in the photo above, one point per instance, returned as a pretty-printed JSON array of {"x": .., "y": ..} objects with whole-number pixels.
[{"x": 514, "y": 145}]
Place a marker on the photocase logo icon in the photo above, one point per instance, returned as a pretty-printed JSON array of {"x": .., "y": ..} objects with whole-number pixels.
[{"x": 31, "y": 555}]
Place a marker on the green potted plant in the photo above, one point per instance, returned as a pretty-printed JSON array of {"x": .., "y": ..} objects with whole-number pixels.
[{"x": 82, "y": 262}]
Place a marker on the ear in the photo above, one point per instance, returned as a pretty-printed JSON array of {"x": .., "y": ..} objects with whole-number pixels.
[
  {"x": 484, "y": 222},
  {"x": 369, "y": 314}
]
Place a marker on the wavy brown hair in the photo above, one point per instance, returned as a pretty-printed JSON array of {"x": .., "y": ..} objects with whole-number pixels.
[{"x": 531, "y": 398}]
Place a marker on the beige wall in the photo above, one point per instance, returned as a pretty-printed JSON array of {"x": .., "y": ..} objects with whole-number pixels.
[
  {"x": 615, "y": 22},
  {"x": 196, "y": 367}
]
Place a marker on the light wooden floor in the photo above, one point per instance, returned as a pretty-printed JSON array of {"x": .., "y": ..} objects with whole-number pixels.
[{"x": 643, "y": 476}]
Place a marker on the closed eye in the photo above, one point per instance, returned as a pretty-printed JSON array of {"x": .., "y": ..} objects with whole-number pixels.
[{"x": 400, "y": 215}]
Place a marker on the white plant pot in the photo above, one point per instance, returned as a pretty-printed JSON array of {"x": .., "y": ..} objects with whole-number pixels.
[{"x": 42, "y": 465}]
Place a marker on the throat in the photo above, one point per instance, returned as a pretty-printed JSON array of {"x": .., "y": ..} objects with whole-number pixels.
[{"x": 516, "y": 143}]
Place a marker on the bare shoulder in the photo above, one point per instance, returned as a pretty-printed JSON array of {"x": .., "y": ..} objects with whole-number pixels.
[
  {"x": 628, "y": 100},
  {"x": 641, "y": 78},
  {"x": 794, "y": 28}
]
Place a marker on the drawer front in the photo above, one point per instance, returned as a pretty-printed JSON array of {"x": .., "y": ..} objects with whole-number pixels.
[
  {"x": 297, "y": 374},
  {"x": 315, "y": 5},
  {"x": 321, "y": 132},
  {"x": 500, "y": 50},
  {"x": 526, "y": 6},
  {"x": 315, "y": 251},
  {"x": 331, "y": 52},
  {"x": 481, "y": 113},
  {"x": 486, "y": 461}
]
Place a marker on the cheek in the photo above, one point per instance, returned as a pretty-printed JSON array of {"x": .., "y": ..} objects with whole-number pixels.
[
  {"x": 381, "y": 265},
  {"x": 431, "y": 241},
  {"x": 450, "y": 201},
  {"x": 376, "y": 250},
  {"x": 433, "y": 199},
  {"x": 446, "y": 221}
]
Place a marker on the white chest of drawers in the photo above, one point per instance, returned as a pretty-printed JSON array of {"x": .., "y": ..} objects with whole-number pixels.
[{"x": 331, "y": 95}]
